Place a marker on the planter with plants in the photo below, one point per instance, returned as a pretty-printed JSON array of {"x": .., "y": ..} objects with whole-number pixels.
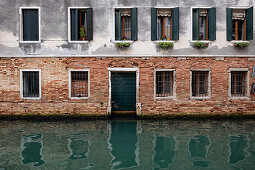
[
  {"x": 122, "y": 44},
  {"x": 199, "y": 44},
  {"x": 82, "y": 34},
  {"x": 241, "y": 44},
  {"x": 166, "y": 45}
]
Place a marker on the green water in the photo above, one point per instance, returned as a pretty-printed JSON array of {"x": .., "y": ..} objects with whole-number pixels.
[{"x": 120, "y": 144}]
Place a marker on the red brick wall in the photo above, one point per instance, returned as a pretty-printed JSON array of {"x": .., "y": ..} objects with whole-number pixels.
[{"x": 55, "y": 84}]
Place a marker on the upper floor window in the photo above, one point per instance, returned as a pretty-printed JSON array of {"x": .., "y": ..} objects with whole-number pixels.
[
  {"x": 126, "y": 24},
  {"x": 81, "y": 24},
  {"x": 29, "y": 24},
  {"x": 204, "y": 23},
  {"x": 239, "y": 24},
  {"x": 164, "y": 23}
]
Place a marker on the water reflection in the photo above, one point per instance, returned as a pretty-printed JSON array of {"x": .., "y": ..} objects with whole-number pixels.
[
  {"x": 164, "y": 152},
  {"x": 123, "y": 144},
  {"x": 238, "y": 146},
  {"x": 78, "y": 147},
  {"x": 32, "y": 149}
]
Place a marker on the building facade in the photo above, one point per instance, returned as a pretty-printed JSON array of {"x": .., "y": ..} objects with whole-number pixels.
[{"x": 147, "y": 58}]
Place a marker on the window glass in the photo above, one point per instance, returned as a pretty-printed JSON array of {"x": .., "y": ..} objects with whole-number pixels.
[
  {"x": 126, "y": 24},
  {"x": 164, "y": 83},
  {"x": 79, "y": 29},
  {"x": 164, "y": 24},
  {"x": 238, "y": 83},
  {"x": 200, "y": 83},
  {"x": 79, "y": 84},
  {"x": 30, "y": 83},
  {"x": 238, "y": 24},
  {"x": 30, "y": 25}
]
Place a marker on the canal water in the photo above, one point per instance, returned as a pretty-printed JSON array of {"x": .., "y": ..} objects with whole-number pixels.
[{"x": 127, "y": 144}]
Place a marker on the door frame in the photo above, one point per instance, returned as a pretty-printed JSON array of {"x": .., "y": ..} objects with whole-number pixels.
[{"x": 109, "y": 107}]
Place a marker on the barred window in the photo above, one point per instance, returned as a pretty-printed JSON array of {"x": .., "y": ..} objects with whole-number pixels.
[
  {"x": 30, "y": 83},
  {"x": 200, "y": 83},
  {"x": 164, "y": 83},
  {"x": 79, "y": 83},
  {"x": 238, "y": 83}
]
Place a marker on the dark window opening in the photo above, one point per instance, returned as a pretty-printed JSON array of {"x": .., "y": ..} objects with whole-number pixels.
[
  {"x": 164, "y": 24},
  {"x": 238, "y": 83},
  {"x": 79, "y": 28},
  {"x": 30, "y": 84},
  {"x": 164, "y": 83},
  {"x": 30, "y": 24},
  {"x": 200, "y": 83},
  {"x": 79, "y": 84}
]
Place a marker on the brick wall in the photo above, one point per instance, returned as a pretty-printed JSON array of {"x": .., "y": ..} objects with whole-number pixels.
[{"x": 55, "y": 85}]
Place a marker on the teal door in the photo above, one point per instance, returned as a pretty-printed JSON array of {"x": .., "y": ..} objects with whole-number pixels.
[{"x": 123, "y": 91}]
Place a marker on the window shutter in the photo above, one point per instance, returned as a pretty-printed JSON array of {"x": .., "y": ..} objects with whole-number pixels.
[
  {"x": 153, "y": 24},
  {"x": 118, "y": 24},
  {"x": 175, "y": 18},
  {"x": 90, "y": 24},
  {"x": 212, "y": 23},
  {"x": 30, "y": 25},
  {"x": 249, "y": 24},
  {"x": 134, "y": 24},
  {"x": 74, "y": 25},
  {"x": 229, "y": 24},
  {"x": 195, "y": 27}
]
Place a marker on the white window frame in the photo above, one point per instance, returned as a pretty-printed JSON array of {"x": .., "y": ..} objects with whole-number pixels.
[
  {"x": 174, "y": 84},
  {"x": 247, "y": 83},
  {"x": 209, "y": 83},
  {"x": 113, "y": 24},
  {"x": 70, "y": 83},
  {"x": 69, "y": 25},
  {"x": 191, "y": 25},
  {"x": 21, "y": 84},
  {"x": 21, "y": 24},
  {"x": 240, "y": 7}
]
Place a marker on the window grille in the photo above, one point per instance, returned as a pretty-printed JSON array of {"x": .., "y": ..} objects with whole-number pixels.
[
  {"x": 238, "y": 83},
  {"x": 30, "y": 83},
  {"x": 200, "y": 83},
  {"x": 79, "y": 83},
  {"x": 164, "y": 83}
]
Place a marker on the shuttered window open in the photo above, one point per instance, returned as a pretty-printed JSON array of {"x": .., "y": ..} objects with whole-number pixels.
[
  {"x": 249, "y": 23},
  {"x": 30, "y": 20}
]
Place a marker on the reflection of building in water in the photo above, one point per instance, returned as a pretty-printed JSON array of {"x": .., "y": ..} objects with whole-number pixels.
[
  {"x": 78, "y": 147},
  {"x": 164, "y": 148},
  {"x": 238, "y": 145},
  {"x": 31, "y": 149},
  {"x": 123, "y": 144}
]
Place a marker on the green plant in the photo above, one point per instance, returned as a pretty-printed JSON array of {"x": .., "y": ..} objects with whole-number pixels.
[
  {"x": 200, "y": 44},
  {"x": 122, "y": 44},
  {"x": 242, "y": 44},
  {"x": 82, "y": 32},
  {"x": 166, "y": 45}
]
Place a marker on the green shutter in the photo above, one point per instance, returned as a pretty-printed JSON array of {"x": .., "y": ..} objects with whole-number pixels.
[
  {"x": 118, "y": 24},
  {"x": 175, "y": 18},
  {"x": 30, "y": 25},
  {"x": 212, "y": 23},
  {"x": 249, "y": 24},
  {"x": 229, "y": 24},
  {"x": 74, "y": 25},
  {"x": 134, "y": 24},
  {"x": 195, "y": 27},
  {"x": 90, "y": 24},
  {"x": 153, "y": 24}
]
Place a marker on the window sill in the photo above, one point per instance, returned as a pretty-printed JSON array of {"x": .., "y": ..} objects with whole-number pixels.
[
  {"x": 165, "y": 98},
  {"x": 121, "y": 41},
  {"x": 238, "y": 41},
  {"x": 78, "y": 42},
  {"x": 158, "y": 41},
  {"x": 78, "y": 98},
  {"x": 239, "y": 98},
  {"x": 31, "y": 98},
  {"x": 200, "y": 98},
  {"x": 205, "y": 41},
  {"x": 35, "y": 42}
]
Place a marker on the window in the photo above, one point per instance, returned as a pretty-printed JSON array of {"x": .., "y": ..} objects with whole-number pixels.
[
  {"x": 238, "y": 83},
  {"x": 79, "y": 84},
  {"x": 126, "y": 24},
  {"x": 30, "y": 24},
  {"x": 204, "y": 23},
  {"x": 164, "y": 83},
  {"x": 30, "y": 84},
  {"x": 164, "y": 23},
  {"x": 239, "y": 24},
  {"x": 80, "y": 24},
  {"x": 200, "y": 83}
]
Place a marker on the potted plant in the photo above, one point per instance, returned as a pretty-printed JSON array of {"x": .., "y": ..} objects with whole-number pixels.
[
  {"x": 124, "y": 37},
  {"x": 122, "y": 44},
  {"x": 241, "y": 44},
  {"x": 199, "y": 44},
  {"x": 163, "y": 37},
  {"x": 82, "y": 33}
]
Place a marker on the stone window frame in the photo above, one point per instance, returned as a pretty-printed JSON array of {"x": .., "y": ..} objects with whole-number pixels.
[
  {"x": 21, "y": 24},
  {"x": 70, "y": 83},
  {"x": 247, "y": 83},
  {"x": 69, "y": 25},
  {"x": 209, "y": 83},
  {"x": 21, "y": 84},
  {"x": 191, "y": 23},
  {"x": 174, "y": 84}
]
